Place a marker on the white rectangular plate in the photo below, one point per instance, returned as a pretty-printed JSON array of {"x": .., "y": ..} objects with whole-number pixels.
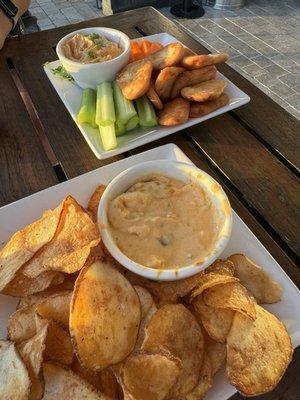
[
  {"x": 70, "y": 95},
  {"x": 16, "y": 215}
]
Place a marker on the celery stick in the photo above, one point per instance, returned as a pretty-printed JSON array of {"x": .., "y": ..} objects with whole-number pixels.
[
  {"x": 105, "y": 110},
  {"x": 132, "y": 123},
  {"x": 124, "y": 107},
  {"x": 108, "y": 136},
  {"x": 146, "y": 112},
  {"x": 120, "y": 129},
  {"x": 87, "y": 112}
]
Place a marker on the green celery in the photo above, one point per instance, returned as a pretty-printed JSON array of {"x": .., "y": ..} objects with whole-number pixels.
[
  {"x": 105, "y": 110},
  {"x": 108, "y": 136},
  {"x": 146, "y": 112},
  {"x": 124, "y": 108},
  {"x": 132, "y": 123},
  {"x": 87, "y": 112},
  {"x": 120, "y": 129}
]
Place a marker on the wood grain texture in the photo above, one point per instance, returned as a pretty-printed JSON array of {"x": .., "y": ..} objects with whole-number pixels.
[
  {"x": 24, "y": 167},
  {"x": 268, "y": 119}
]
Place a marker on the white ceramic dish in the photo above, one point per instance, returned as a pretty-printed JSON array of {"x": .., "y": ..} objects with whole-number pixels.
[
  {"x": 16, "y": 215},
  {"x": 176, "y": 170},
  {"x": 90, "y": 75},
  {"x": 70, "y": 95}
]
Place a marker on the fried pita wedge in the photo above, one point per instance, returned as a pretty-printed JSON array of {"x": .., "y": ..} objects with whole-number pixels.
[
  {"x": 134, "y": 79},
  {"x": 200, "y": 109},
  {"x": 174, "y": 113},
  {"x": 189, "y": 78},
  {"x": 14, "y": 377},
  {"x": 258, "y": 352},
  {"x": 154, "y": 98},
  {"x": 170, "y": 55},
  {"x": 165, "y": 81},
  {"x": 205, "y": 91},
  {"x": 95, "y": 200},
  {"x": 203, "y": 60}
]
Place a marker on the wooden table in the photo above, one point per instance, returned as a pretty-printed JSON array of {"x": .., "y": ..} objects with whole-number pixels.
[{"x": 252, "y": 151}]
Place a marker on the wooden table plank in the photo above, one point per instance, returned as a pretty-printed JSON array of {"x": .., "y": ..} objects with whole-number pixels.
[
  {"x": 266, "y": 118},
  {"x": 24, "y": 166}
]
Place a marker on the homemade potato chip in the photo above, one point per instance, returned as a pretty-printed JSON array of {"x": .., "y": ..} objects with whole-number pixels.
[
  {"x": 20, "y": 324},
  {"x": 71, "y": 245},
  {"x": 148, "y": 308},
  {"x": 25, "y": 243},
  {"x": 258, "y": 282},
  {"x": 232, "y": 296},
  {"x": 154, "y": 98},
  {"x": 209, "y": 280},
  {"x": 104, "y": 303},
  {"x": 205, "y": 380},
  {"x": 216, "y": 321},
  {"x": 189, "y": 78},
  {"x": 94, "y": 201},
  {"x": 200, "y": 109},
  {"x": 258, "y": 352},
  {"x": 21, "y": 285},
  {"x": 174, "y": 113},
  {"x": 149, "y": 376},
  {"x": 134, "y": 79},
  {"x": 31, "y": 351},
  {"x": 221, "y": 267},
  {"x": 204, "y": 91},
  {"x": 165, "y": 81},
  {"x": 58, "y": 344},
  {"x": 216, "y": 352},
  {"x": 170, "y": 55},
  {"x": 175, "y": 328},
  {"x": 61, "y": 383},
  {"x": 14, "y": 377},
  {"x": 56, "y": 307},
  {"x": 202, "y": 60}
]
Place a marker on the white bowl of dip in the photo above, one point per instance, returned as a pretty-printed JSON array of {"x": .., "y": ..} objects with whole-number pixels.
[
  {"x": 122, "y": 216},
  {"x": 91, "y": 74}
]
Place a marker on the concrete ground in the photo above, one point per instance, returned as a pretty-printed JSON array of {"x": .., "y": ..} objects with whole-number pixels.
[{"x": 263, "y": 39}]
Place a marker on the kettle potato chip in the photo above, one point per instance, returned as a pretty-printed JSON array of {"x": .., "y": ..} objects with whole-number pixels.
[
  {"x": 205, "y": 380},
  {"x": 221, "y": 267},
  {"x": 94, "y": 201},
  {"x": 148, "y": 308},
  {"x": 210, "y": 280},
  {"x": 175, "y": 328},
  {"x": 56, "y": 307},
  {"x": 104, "y": 303},
  {"x": 258, "y": 352},
  {"x": 20, "y": 324}
]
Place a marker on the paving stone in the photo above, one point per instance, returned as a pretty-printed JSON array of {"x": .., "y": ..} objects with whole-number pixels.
[
  {"x": 254, "y": 70},
  {"x": 294, "y": 101},
  {"x": 262, "y": 61},
  {"x": 275, "y": 70},
  {"x": 292, "y": 80},
  {"x": 282, "y": 90},
  {"x": 293, "y": 111},
  {"x": 241, "y": 61}
]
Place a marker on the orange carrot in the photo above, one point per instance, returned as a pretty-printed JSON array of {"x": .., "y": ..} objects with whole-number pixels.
[
  {"x": 145, "y": 47},
  {"x": 155, "y": 47},
  {"x": 136, "y": 53}
]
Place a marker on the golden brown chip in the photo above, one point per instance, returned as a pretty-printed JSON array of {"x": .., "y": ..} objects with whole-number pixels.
[
  {"x": 221, "y": 267},
  {"x": 20, "y": 325},
  {"x": 170, "y": 55},
  {"x": 258, "y": 282},
  {"x": 202, "y": 60},
  {"x": 216, "y": 321},
  {"x": 61, "y": 383},
  {"x": 134, "y": 79},
  {"x": 189, "y": 78},
  {"x": 31, "y": 351},
  {"x": 56, "y": 308},
  {"x": 21, "y": 285},
  {"x": 14, "y": 378},
  {"x": 232, "y": 296},
  {"x": 209, "y": 280},
  {"x": 205, "y": 91},
  {"x": 258, "y": 352},
  {"x": 95, "y": 200},
  {"x": 58, "y": 342},
  {"x": 175, "y": 328},
  {"x": 216, "y": 352},
  {"x": 70, "y": 247},
  {"x": 174, "y": 113},
  {"x": 165, "y": 81},
  {"x": 24, "y": 244},
  {"x": 104, "y": 303},
  {"x": 148, "y": 308},
  {"x": 200, "y": 109},
  {"x": 149, "y": 376},
  {"x": 154, "y": 98},
  {"x": 205, "y": 380}
]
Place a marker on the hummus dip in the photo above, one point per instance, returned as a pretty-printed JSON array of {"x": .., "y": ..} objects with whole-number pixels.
[
  {"x": 91, "y": 48},
  {"x": 163, "y": 223}
]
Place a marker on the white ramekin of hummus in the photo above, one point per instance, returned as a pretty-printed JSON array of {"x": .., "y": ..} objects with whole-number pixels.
[
  {"x": 101, "y": 69},
  {"x": 165, "y": 220}
]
